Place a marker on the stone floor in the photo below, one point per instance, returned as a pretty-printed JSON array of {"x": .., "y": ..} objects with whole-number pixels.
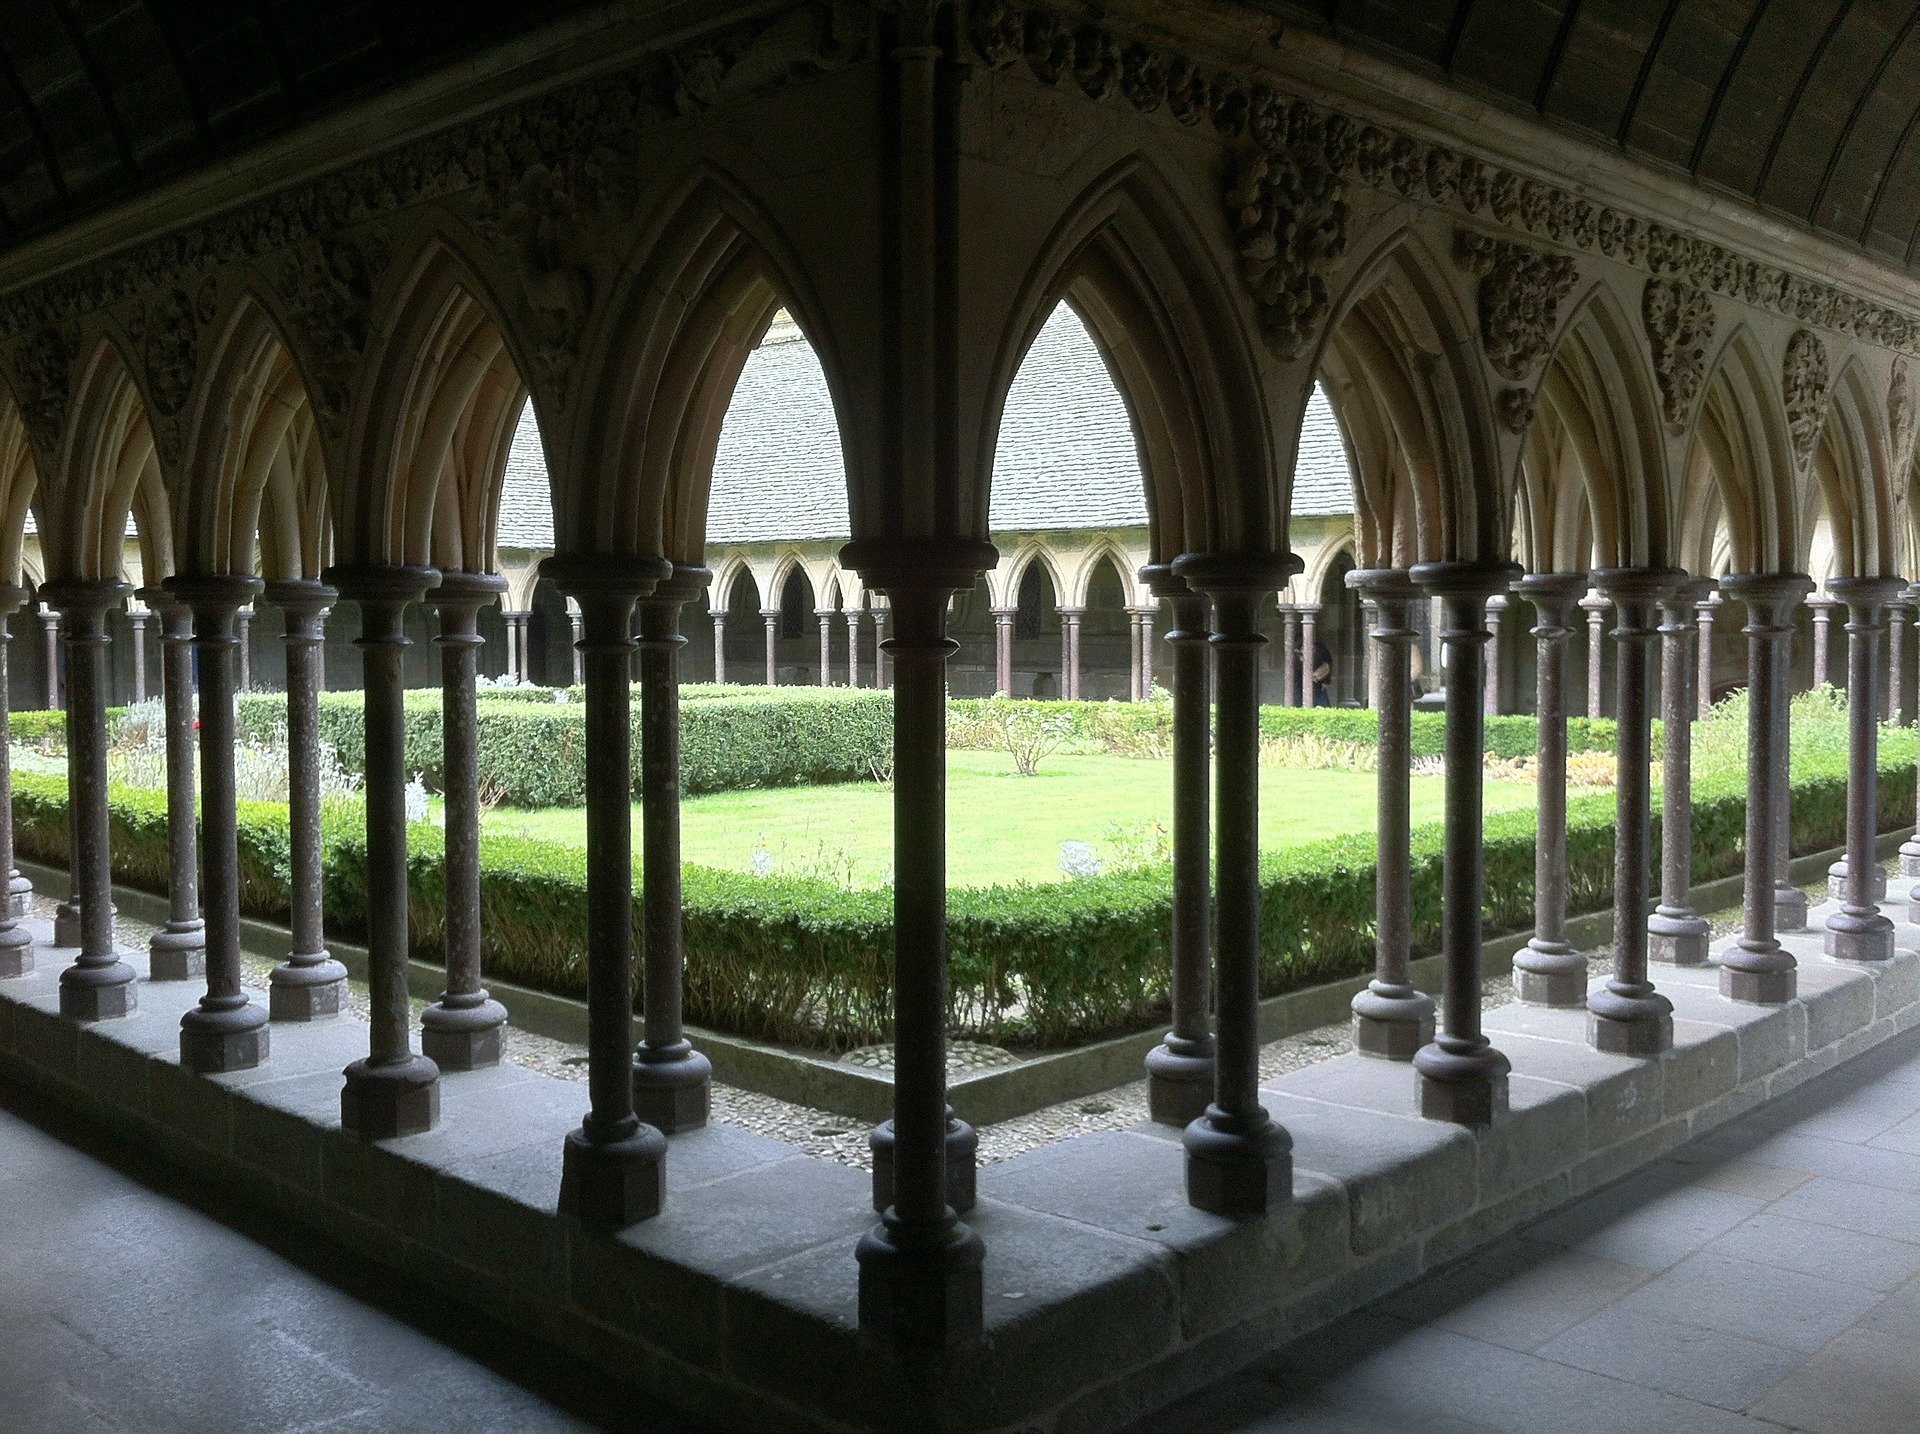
[{"x": 1765, "y": 1277}]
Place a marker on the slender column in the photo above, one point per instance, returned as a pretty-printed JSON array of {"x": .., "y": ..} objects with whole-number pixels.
[
  {"x": 826, "y": 617},
  {"x": 523, "y": 646},
  {"x": 1391, "y": 1018},
  {"x": 579, "y": 659},
  {"x": 1757, "y": 968},
  {"x": 1627, "y": 1016},
  {"x": 243, "y": 625},
  {"x": 1595, "y": 607},
  {"x": 1549, "y": 970},
  {"x": 1704, "y": 610},
  {"x": 1003, "y": 618},
  {"x": 720, "y": 647},
  {"x": 1146, "y": 654},
  {"x": 920, "y": 1269},
  {"x": 309, "y": 985},
  {"x": 98, "y": 985},
  {"x": 1070, "y": 649},
  {"x": 671, "y": 1080},
  {"x": 1910, "y": 848},
  {"x": 392, "y": 1091},
  {"x": 614, "y": 1172},
  {"x": 1309, "y": 618},
  {"x": 1496, "y": 607},
  {"x": 1677, "y": 934},
  {"x": 1899, "y": 700},
  {"x": 1376, "y": 654},
  {"x": 16, "y": 942},
  {"x": 178, "y": 949},
  {"x": 1857, "y": 931},
  {"x": 1180, "y": 1068},
  {"x": 852, "y": 617},
  {"x": 1133, "y": 654},
  {"x": 50, "y": 620},
  {"x": 1789, "y": 901},
  {"x": 465, "y": 1029},
  {"x": 1462, "y": 1077},
  {"x": 1289, "y": 656},
  {"x": 770, "y": 616},
  {"x": 1823, "y": 607},
  {"x": 882, "y": 678},
  {"x": 137, "y": 621},
  {"x": 1239, "y": 1160},
  {"x": 228, "y": 1030},
  {"x": 19, "y": 889}
]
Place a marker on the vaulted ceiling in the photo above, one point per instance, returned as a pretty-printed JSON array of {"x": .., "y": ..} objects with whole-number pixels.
[
  {"x": 1808, "y": 108},
  {"x": 100, "y": 99}
]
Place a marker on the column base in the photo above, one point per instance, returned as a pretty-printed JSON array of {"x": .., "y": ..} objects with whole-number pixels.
[
  {"x": 20, "y": 895},
  {"x": 1392, "y": 1022},
  {"x": 1789, "y": 908},
  {"x": 178, "y": 952},
  {"x": 1677, "y": 937},
  {"x": 1621, "y": 1024},
  {"x": 464, "y": 1038},
  {"x": 1859, "y": 936},
  {"x": 1837, "y": 881},
  {"x": 962, "y": 1179},
  {"x": 1550, "y": 973},
  {"x": 675, "y": 1093},
  {"x": 307, "y": 988},
  {"x": 231, "y": 1039},
  {"x": 1765, "y": 977},
  {"x": 1238, "y": 1164},
  {"x": 98, "y": 993},
  {"x": 66, "y": 924},
  {"x": 1910, "y": 856},
  {"x": 1463, "y": 1085},
  {"x": 392, "y": 1099},
  {"x": 1179, "y": 1081},
  {"x": 921, "y": 1286},
  {"x": 614, "y": 1183},
  {"x": 16, "y": 952}
]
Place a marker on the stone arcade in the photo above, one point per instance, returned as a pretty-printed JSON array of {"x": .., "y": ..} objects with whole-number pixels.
[{"x": 300, "y": 344}]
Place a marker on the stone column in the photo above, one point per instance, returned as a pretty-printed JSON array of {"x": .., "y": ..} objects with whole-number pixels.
[
  {"x": 1180, "y": 1068},
  {"x": 1823, "y": 607},
  {"x": 1757, "y": 968},
  {"x": 1462, "y": 1077},
  {"x": 178, "y": 949},
  {"x": 392, "y": 1091},
  {"x": 50, "y": 620},
  {"x": 671, "y": 1080},
  {"x": 720, "y": 647},
  {"x": 137, "y": 621},
  {"x": 1857, "y": 931},
  {"x": 309, "y": 985},
  {"x": 920, "y": 1269},
  {"x": 227, "y": 1031},
  {"x": 1704, "y": 610},
  {"x": 852, "y": 618},
  {"x": 826, "y": 617},
  {"x": 98, "y": 985},
  {"x": 16, "y": 942},
  {"x": 1003, "y": 618},
  {"x": 1289, "y": 656},
  {"x": 1070, "y": 649},
  {"x": 1146, "y": 654},
  {"x": 881, "y": 677},
  {"x": 1309, "y": 619},
  {"x": 1677, "y": 934},
  {"x": 19, "y": 889},
  {"x": 1910, "y": 848},
  {"x": 1549, "y": 971},
  {"x": 615, "y": 1170},
  {"x": 1239, "y": 1160},
  {"x": 243, "y": 625},
  {"x": 1133, "y": 654},
  {"x": 1789, "y": 901},
  {"x": 465, "y": 1029},
  {"x": 1627, "y": 1016},
  {"x": 770, "y": 616},
  {"x": 1496, "y": 607},
  {"x": 1899, "y": 699},
  {"x": 1391, "y": 1018},
  {"x": 1595, "y": 607},
  {"x": 579, "y": 660}
]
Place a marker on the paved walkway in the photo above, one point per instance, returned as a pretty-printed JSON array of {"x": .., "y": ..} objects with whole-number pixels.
[
  {"x": 1765, "y": 1277},
  {"x": 122, "y": 1308}
]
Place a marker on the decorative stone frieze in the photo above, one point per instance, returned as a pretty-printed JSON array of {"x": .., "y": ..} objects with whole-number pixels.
[
  {"x": 1290, "y": 227},
  {"x": 41, "y": 370},
  {"x": 1680, "y": 322},
  {"x": 1900, "y": 415},
  {"x": 1519, "y": 299},
  {"x": 1803, "y": 388}
]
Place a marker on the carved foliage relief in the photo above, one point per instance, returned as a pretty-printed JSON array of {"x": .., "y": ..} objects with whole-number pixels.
[
  {"x": 1900, "y": 416},
  {"x": 1680, "y": 321},
  {"x": 1519, "y": 299},
  {"x": 1803, "y": 387}
]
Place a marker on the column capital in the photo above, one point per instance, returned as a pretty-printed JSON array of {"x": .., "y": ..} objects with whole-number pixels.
[
  {"x": 215, "y": 597},
  {"x": 1768, "y": 597},
  {"x": 305, "y": 597},
  {"x": 1163, "y": 582},
  {"x": 684, "y": 583},
  {"x": 1392, "y": 592},
  {"x": 1634, "y": 593},
  {"x": 919, "y": 564},
  {"x": 591, "y": 577},
  {"x": 1004, "y": 614},
  {"x": 377, "y": 586},
  {"x": 1072, "y": 612},
  {"x": 1869, "y": 594},
  {"x": 1225, "y": 574},
  {"x": 463, "y": 591},
  {"x": 1821, "y": 602},
  {"x": 1913, "y": 593},
  {"x": 1449, "y": 578},
  {"x": 81, "y": 596},
  {"x": 1552, "y": 596},
  {"x": 1688, "y": 596}
]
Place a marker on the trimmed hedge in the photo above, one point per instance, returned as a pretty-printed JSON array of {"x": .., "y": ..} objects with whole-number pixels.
[
  {"x": 810, "y": 963},
  {"x": 533, "y": 753}
]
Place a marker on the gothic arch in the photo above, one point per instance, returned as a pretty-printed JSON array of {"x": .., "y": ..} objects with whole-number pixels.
[
  {"x": 107, "y": 451},
  {"x": 1848, "y": 477},
  {"x": 1103, "y": 550},
  {"x": 19, "y": 483},
  {"x": 1014, "y": 572},
  {"x": 1740, "y": 444}
]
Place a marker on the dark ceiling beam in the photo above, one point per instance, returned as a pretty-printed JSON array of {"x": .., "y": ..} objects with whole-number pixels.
[
  {"x": 1463, "y": 11},
  {"x": 1712, "y": 120},
  {"x": 1799, "y": 93},
  {"x": 177, "y": 57},
  {"x": 102, "y": 91},
  {"x": 1550, "y": 70},
  {"x": 1867, "y": 92},
  {"x": 37, "y": 125},
  {"x": 1645, "y": 72}
]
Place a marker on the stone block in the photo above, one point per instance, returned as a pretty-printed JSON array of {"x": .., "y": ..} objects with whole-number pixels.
[
  {"x": 1764, "y": 1032},
  {"x": 196, "y": 1108},
  {"x": 1491, "y": 1221},
  {"x": 1356, "y": 1081},
  {"x": 1604, "y": 1166},
  {"x": 372, "y": 1181},
  {"x": 500, "y": 1213},
  {"x": 639, "y": 1292},
  {"x": 115, "y": 1073},
  {"x": 281, "y": 1127},
  {"x": 1623, "y": 1094},
  {"x": 1896, "y": 985},
  {"x": 1837, "y": 1000},
  {"x": 714, "y": 1152},
  {"x": 1545, "y": 1130},
  {"x": 46, "y": 1039},
  {"x": 1703, "y": 1065}
]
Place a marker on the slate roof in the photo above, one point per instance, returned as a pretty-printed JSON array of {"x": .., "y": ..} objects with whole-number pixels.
[{"x": 1066, "y": 457}]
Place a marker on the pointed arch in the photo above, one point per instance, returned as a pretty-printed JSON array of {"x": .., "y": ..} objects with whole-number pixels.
[
  {"x": 107, "y": 449},
  {"x": 1025, "y": 556},
  {"x": 19, "y": 486},
  {"x": 1104, "y": 550},
  {"x": 1849, "y": 477},
  {"x": 1739, "y": 443}
]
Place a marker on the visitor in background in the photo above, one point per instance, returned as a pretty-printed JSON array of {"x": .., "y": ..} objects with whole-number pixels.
[{"x": 1322, "y": 674}]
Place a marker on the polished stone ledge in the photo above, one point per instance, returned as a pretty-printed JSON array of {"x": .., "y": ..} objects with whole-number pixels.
[{"x": 1107, "y": 1294}]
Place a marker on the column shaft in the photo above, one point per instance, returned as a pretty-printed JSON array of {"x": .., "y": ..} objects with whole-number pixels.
[
  {"x": 137, "y": 621},
  {"x": 1496, "y": 607},
  {"x": 1596, "y": 655},
  {"x": 771, "y": 619},
  {"x": 1003, "y": 651},
  {"x": 16, "y": 942},
  {"x": 1309, "y": 696},
  {"x": 826, "y": 617},
  {"x": 1146, "y": 655},
  {"x": 50, "y": 620},
  {"x": 1703, "y": 695},
  {"x": 1550, "y": 971},
  {"x": 177, "y": 951},
  {"x": 1677, "y": 934},
  {"x": 719, "y": 647},
  {"x": 1858, "y": 931},
  {"x": 1133, "y": 654},
  {"x": 882, "y": 677},
  {"x": 1289, "y": 656},
  {"x": 852, "y": 617},
  {"x": 1898, "y": 704},
  {"x": 1823, "y": 607}
]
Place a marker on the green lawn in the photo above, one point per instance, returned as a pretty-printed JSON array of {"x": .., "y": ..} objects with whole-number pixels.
[{"x": 1001, "y": 826}]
